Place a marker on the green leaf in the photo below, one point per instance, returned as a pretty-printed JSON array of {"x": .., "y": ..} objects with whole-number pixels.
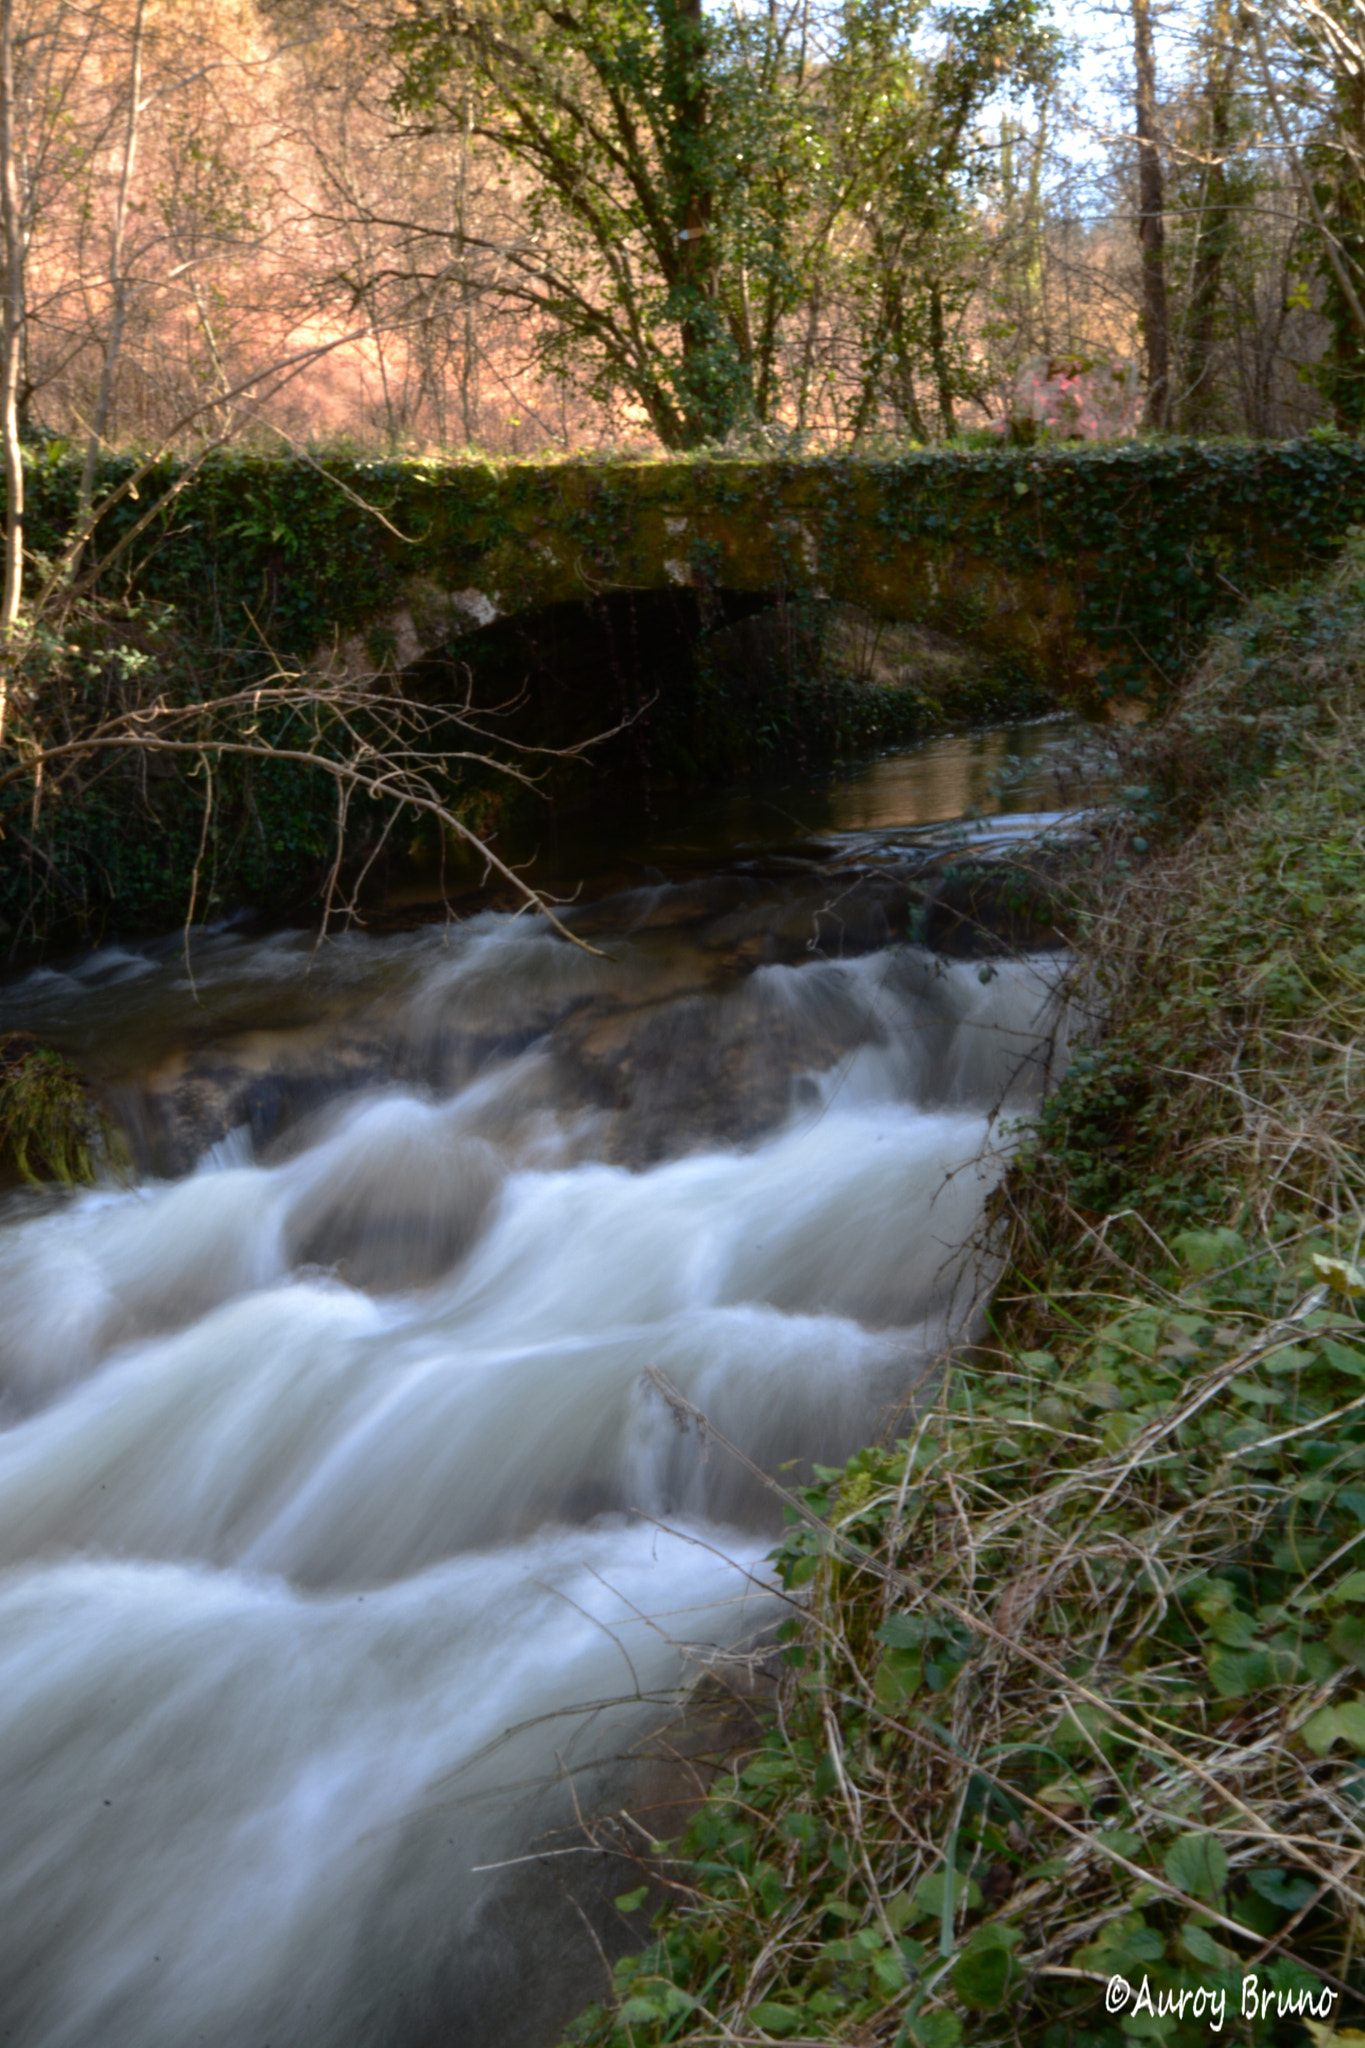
[
  {"x": 1320, "y": 1731},
  {"x": 1237, "y": 1673},
  {"x": 780, "y": 2020},
  {"x": 1205, "y": 1251},
  {"x": 1347, "y": 1639},
  {"x": 1351, "y": 1723},
  {"x": 631, "y": 1902},
  {"x": 889, "y": 1970},
  {"x": 638, "y": 2012},
  {"x": 1233, "y": 1628},
  {"x": 929, "y": 1893},
  {"x": 899, "y": 1676},
  {"x": 906, "y": 1631},
  {"x": 1119, "y": 1432},
  {"x": 1123, "y": 1946},
  {"x": 1197, "y": 1865},
  {"x": 1281, "y": 1889},
  {"x": 935, "y": 2030},
  {"x": 1345, "y": 1723},
  {"x": 661, "y": 2001},
  {"x": 1122, "y": 1841},
  {"x": 1038, "y": 1361},
  {"x": 1289, "y": 1358},
  {"x": 1341, "y": 1276},
  {"x": 1350, "y": 1362},
  {"x": 1200, "y": 1945},
  {"x": 982, "y": 1979}
]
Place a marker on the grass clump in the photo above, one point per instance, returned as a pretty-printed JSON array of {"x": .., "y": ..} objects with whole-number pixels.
[{"x": 1073, "y": 1686}]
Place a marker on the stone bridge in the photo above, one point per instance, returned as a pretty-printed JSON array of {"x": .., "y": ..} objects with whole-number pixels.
[{"x": 1087, "y": 571}]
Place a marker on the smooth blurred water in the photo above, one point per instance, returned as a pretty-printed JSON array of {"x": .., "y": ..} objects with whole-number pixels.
[{"x": 344, "y": 1545}]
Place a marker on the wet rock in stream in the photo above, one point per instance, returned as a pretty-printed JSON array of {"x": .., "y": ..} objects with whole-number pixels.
[{"x": 680, "y": 1040}]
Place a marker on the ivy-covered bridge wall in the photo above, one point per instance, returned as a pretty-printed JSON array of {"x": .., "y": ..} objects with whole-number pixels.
[{"x": 1090, "y": 571}]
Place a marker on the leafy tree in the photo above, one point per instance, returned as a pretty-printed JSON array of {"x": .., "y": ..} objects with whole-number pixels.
[
  {"x": 914, "y": 119},
  {"x": 692, "y": 182}
]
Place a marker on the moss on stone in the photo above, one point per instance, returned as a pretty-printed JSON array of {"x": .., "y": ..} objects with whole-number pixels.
[{"x": 50, "y": 1127}]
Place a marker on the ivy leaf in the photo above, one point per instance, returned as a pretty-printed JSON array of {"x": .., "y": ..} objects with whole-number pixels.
[
  {"x": 1288, "y": 1893},
  {"x": 1332, "y": 1724},
  {"x": 984, "y": 1971}
]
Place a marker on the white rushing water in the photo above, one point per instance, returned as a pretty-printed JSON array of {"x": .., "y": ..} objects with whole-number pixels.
[{"x": 339, "y": 1528}]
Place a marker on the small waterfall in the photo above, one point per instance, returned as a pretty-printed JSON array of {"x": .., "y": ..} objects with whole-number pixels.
[{"x": 343, "y": 1542}]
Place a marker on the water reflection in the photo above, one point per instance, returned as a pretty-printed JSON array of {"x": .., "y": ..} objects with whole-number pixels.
[{"x": 998, "y": 771}]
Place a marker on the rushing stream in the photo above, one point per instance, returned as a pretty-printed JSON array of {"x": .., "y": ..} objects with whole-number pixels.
[{"x": 344, "y": 1544}]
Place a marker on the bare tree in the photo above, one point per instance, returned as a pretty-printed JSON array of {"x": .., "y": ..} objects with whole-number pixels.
[{"x": 1334, "y": 194}]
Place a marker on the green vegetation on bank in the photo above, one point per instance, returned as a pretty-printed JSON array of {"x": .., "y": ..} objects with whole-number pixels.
[{"x": 1074, "y": 1682}]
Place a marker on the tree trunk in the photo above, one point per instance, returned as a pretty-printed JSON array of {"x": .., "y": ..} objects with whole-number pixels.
[
  {"x": 1151, "y": 223},
  {"x": 118, "y": 278},
  {"x": 1346, "y": 218},
  {"x": 708, "y": 410},
  {"x": 938, "y": 349},
  {"x": 1215, "y": 227},
  {"x": 11, "y": 339}
]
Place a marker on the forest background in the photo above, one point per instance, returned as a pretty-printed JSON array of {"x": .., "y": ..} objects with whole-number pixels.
[{"x": 516, "y": 227}]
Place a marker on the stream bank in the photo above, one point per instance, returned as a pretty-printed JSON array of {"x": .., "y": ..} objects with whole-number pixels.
[{"x": 1076, "y": 1693}]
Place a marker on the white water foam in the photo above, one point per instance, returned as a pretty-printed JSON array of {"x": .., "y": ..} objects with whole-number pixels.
[{"x": 334, "y": 1502}]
